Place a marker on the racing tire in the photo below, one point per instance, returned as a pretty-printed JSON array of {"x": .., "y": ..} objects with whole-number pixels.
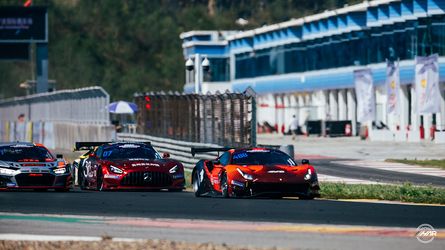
[
  {"x": 306, "y": 197},
  {"x": 100, "y": 180},
  {"x": 197, "y": 185},
  {"x": 224, "y": 186},
  {"x": 81, "y": 179}
]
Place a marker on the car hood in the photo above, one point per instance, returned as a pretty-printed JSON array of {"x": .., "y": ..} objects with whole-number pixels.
[{"x": 10, "y": 164}]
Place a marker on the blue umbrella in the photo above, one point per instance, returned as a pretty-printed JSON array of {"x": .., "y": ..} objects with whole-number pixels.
[{"x": 122, "y": 107}]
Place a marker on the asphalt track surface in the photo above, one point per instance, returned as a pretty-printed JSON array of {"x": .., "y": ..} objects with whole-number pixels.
[
  {"x": 330, "y": 167},
  {"x": 184, "y": 205}
]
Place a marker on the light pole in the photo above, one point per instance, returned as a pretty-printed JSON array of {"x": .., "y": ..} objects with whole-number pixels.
[{"x": 199, "y": 66}]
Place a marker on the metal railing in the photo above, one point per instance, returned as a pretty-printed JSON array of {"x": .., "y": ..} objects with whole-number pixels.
[
  {"x": 223, "y": 119},
  {"x": 85, "y": 106}
]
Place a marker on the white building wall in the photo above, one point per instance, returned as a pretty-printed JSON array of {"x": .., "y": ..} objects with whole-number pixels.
[
  {"x": 333, "y": 106},
  {"x": 352, "y": 109},
  {"x": 342, "y": 105}
]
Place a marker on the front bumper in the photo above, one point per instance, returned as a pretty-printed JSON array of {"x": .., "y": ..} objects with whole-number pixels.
[
  {"x": 308, "y": 188},
  {"x": 144, "y": 180},
  {"x": 36, "y": 181}
]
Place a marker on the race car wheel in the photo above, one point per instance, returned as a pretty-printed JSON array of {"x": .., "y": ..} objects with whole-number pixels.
[
  {"x": 309, "y": 195},
  {"x": 306, "y": 197},
  {"x": 197, "y": 186},
  {"x": 224, "y": 186},
  {"x": 100, "y": 180},
  {"x": 81, "y": 178}
]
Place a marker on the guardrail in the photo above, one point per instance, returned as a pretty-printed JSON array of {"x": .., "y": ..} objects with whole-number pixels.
[
  {"x": 181, "y": 150},
  {"x": 178, "y": 150}
]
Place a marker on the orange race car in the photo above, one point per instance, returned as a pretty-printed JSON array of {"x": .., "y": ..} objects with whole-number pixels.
[{"x": 249, "y": 172}]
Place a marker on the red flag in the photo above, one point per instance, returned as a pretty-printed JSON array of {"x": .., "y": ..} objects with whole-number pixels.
[{"x": 27, "y": 3}]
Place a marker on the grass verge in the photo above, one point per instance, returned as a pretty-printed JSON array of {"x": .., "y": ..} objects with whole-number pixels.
[
  {"x": 423, "y": 163},
  {"x": 405, "y": 192}
]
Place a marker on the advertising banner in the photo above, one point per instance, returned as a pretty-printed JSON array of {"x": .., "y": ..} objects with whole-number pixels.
[
  {"x": 427, "y": 84},
  {"x": 392, "y": 87},
  {"x": 365, "y": 95}
]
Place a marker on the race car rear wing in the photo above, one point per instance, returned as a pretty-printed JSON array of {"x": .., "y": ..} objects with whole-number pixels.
[
  {"x": 90, "y": 145},
  {"x": 205, "y": 150},
  {"x": 87, "y": 145}
]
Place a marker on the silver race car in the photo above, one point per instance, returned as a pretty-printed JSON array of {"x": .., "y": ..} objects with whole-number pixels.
[{"x": 32, "y": 166}]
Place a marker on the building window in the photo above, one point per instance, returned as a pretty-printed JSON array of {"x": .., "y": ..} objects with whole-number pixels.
[
  {"x": 219, "y": 70},
  {"x": 375, "y": 45}
]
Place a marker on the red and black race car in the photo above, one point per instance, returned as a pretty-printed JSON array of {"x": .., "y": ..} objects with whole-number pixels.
[
  {"x": 128, "y": 165},
  {"x": 253, "y": 172},
  {"x": 25, "y": 165}
]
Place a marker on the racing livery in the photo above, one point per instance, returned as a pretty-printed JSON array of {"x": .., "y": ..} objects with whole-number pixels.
[
  {"x": 253, "y": 172},
  {"x": 128, "y": 165},
  {"x": 26, "y": 165}
]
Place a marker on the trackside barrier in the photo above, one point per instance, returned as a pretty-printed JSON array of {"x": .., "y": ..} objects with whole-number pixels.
[
  {"x": 55, "y": 135},
  {"x": 178, "y": 150},
  {"x": 84, "y": 105},
  {"x": 221, "y": 118}
]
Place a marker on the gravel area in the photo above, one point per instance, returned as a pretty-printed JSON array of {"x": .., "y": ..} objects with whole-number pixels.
[{"x": 108, "y": 244}]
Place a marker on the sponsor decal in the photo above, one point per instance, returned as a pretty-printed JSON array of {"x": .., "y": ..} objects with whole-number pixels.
[
  {"x": 201, "y": 175},
  {"x": 177, "y": 176},
  {"x": 215, "y": 181},
  {"x": 276, "y": 171},
  {"x": 10, "y": 184},
  {"x": 258, "y": 151},
  {"x": 240, "y": 156},
  {"x": 145, "y": 164},
  {"x": 129, "y": 146},
  {"x": 111, "y": 176},
  {"x": 425, "y": 233},
  {"x": 22, "y": 146}
]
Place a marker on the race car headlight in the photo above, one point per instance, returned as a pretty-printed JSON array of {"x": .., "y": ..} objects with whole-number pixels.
[
  {"x": 115, "y": 170},
  {"x": 173, "y": 169},
  {"x": 7, "y": 171},
  {"x": 308, "y": 176},
  {"x": 60, "y": 170},
  {"x": 244, "y": 175}
]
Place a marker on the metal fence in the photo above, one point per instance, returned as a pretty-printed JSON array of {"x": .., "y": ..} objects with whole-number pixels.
[
  {"x": 85, "y": 106},
  {"x": 223, "y": 119}
]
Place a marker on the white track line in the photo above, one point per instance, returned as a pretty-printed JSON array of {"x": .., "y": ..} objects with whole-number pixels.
[
  {"x": 396, "y": 167},
  {"x": 37, "y": 237}
]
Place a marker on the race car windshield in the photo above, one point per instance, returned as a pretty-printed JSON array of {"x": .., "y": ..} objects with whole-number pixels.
[
  {"x": 25, "y": 154},
  {"x": 136, "y": 152},
  {"x": 261, "y": 157}
]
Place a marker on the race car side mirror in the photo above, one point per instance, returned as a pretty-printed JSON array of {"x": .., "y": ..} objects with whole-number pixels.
[
  {"x": 165, "y": 155},
  {"x": 59, "y": 156},
  {"x": 305, "y": 161}
]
